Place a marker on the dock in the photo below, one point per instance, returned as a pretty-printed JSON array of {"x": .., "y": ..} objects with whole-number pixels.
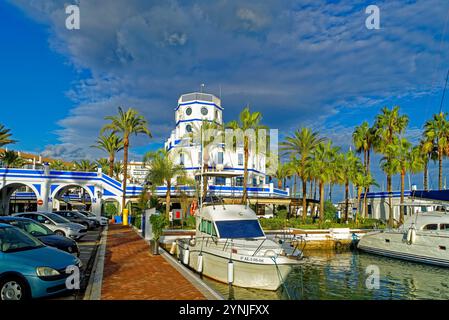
[{"x": 131, "y": 272}]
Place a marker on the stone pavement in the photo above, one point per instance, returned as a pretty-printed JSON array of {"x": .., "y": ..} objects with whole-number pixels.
[{"x": 131, "y": 272}]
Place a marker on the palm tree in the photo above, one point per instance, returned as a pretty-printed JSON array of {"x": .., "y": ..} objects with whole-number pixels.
[
  {"x": 403, "y": 152},
  {"x": 337, "y": 175},
  {"x": 118, "y": 170},
  {"x": 362, "y": 180},
  {"x": 11, "y": 159},
  {"x": 350, "y": 166},
  {"x": 162, "y": 171},
  {"x": 302, "y": 143},
  {"x": 85, "y": 166},
  {"x": 104, "y": 163},
  {"x": 388, "y": 126},
  {"x": 247, "y": 121},
  {"x": 126, "y": 123},
  {"x": 323, "y": 158},
  {"x": 284, "y": 170},
  {"x": 437, "y": 131},
  {"x": 111, "y": 144},
  {"x": 363, "y": 138},
  {"x": 205, "y": 134},
  {"x": 5, "y": 136},
  {"x": 58, "y": 165},
  {"x": 427, "y": 152}
]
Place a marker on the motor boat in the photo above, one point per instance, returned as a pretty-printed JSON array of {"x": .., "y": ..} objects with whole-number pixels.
[
  {"x": 230, "y": 247},
  {"x": 424, "y": 238}
]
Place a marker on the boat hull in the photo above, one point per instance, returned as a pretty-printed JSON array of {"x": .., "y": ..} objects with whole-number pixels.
[
  {"x": 429, "y": 249},
  {"x": 249, "y": 272}
]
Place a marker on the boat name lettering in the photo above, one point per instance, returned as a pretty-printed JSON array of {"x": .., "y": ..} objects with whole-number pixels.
[{"x": 252, "y": 259}]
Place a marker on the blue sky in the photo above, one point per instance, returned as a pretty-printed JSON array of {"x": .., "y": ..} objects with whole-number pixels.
[{"x": 301, "y": 63}]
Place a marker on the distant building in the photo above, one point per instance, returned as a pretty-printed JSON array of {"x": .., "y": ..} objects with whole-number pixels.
[{"x": 137, "y": 172}]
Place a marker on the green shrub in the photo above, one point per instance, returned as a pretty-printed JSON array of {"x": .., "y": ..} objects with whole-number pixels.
[
  {"x": 138, "y": 221},
  {"x": 190, "y": 222},
  {"x": 329, "y": 211},
  {"x": 158, "y": 223}
]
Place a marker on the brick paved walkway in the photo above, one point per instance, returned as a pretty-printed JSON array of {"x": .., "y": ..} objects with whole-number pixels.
[{"x": 132, "y": 273}]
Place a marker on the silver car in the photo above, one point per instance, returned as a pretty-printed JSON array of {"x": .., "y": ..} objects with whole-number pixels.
[
  {"x": 89, "y": 215},
  {"x": 57, "y": 224}
]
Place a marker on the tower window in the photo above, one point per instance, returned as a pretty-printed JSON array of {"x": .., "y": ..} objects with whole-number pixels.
[
  {"x": 204, "y": 111},
  {"x": 189, "y": 128},
  {"x": 220, "y": 158},
  {"x": 240, "y": 160},
  {"x": 189, "y": 111}
]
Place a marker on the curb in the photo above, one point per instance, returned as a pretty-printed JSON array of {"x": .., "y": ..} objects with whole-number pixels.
[
  {"x": 194, "y": 279},
  {"x": 93, "y": 290}
]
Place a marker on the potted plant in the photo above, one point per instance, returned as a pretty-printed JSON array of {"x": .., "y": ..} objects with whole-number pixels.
[{"x": 158, "y": 223}]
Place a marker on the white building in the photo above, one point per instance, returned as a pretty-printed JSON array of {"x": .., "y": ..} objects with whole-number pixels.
[
  {"x": 190, "y": 113},
  {"x": 137, "y": 172}
]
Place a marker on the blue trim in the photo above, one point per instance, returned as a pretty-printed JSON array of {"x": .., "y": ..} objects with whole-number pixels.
[
  {"x": 199, "y": 102},
  {"x": 38, "y": 188}
]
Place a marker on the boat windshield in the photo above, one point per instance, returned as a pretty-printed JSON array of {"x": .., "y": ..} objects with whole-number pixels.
[{"x": 233, "y": 229}]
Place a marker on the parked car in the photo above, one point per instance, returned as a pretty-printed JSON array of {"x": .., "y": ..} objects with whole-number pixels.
[
  {"x": 76, "y": 217},
  {"x": 57, "y": 224},
  {"x": 42, "y": 233},
  {"x": 30, "y": 269},
  {"x": 103, "y": 221}
]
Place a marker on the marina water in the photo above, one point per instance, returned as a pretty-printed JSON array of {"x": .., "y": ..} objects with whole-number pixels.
[{"x": 333, "y": 275}]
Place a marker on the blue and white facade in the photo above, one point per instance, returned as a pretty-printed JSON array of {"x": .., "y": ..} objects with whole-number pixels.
[{"x": 191, "y": 111}]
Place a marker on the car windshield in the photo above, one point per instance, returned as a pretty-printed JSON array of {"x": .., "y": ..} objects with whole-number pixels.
[
  {"x": 87, "y": 214},
  {"x": 56, "y": 218},
  {"x": 79, "y": 215},
  {"x": 33, "y": 228},
  {"x": 14, "y": 240},
  {"x": 234, "y": 229}
]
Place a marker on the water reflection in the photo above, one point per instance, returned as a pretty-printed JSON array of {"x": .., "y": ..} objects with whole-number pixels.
[{"x": 329, "y": 275}]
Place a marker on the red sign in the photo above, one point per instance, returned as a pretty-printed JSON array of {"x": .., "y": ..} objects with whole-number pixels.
[
  {"x": 40, "y": 202},
  {"x": 178, "y": 215}
]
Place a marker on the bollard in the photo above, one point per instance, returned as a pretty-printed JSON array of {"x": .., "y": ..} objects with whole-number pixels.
[
  {"x": 125, "y": 217},
  {"x": 230, "y": 272},
  {"x": 200, "y": 263}
]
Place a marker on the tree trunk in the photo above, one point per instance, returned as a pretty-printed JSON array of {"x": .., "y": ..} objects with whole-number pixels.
[
  {"x": 245, "y": 171},
  {"x": 321, "y": 201},
  {"x": 390, "y": 204},
  {"x": 402, "y": 208},
  {"x": 359, "y": 194},
  {"x": 304, "y": 199},
  {"x": 346, "y": 199},
  {"x": 295, "y": 185},
  {"x": 330, "y": 191},
  {"x": 367, "y": 167},
  {"x": 111, "y": 165},
  {"x": 425, "y": 182},
  {"x": 440, "y": 170},
  {"x": 125, "y": 169},
  {"x": 168, "y": 199},
  {"x": 365, "y": 205}
]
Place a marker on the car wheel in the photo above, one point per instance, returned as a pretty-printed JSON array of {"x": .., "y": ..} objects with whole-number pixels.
[
  {"x": 13, "y": 288},
  {"x": 60, "y": 233}
]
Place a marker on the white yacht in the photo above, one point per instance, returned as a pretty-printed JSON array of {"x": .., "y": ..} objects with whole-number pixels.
[
  {"x": 424, "y": 237},
  {"x": 231, "y": 247}
]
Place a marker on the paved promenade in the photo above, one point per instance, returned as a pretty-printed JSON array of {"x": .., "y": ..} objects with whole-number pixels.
[{"x": 132, "y": 273}]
